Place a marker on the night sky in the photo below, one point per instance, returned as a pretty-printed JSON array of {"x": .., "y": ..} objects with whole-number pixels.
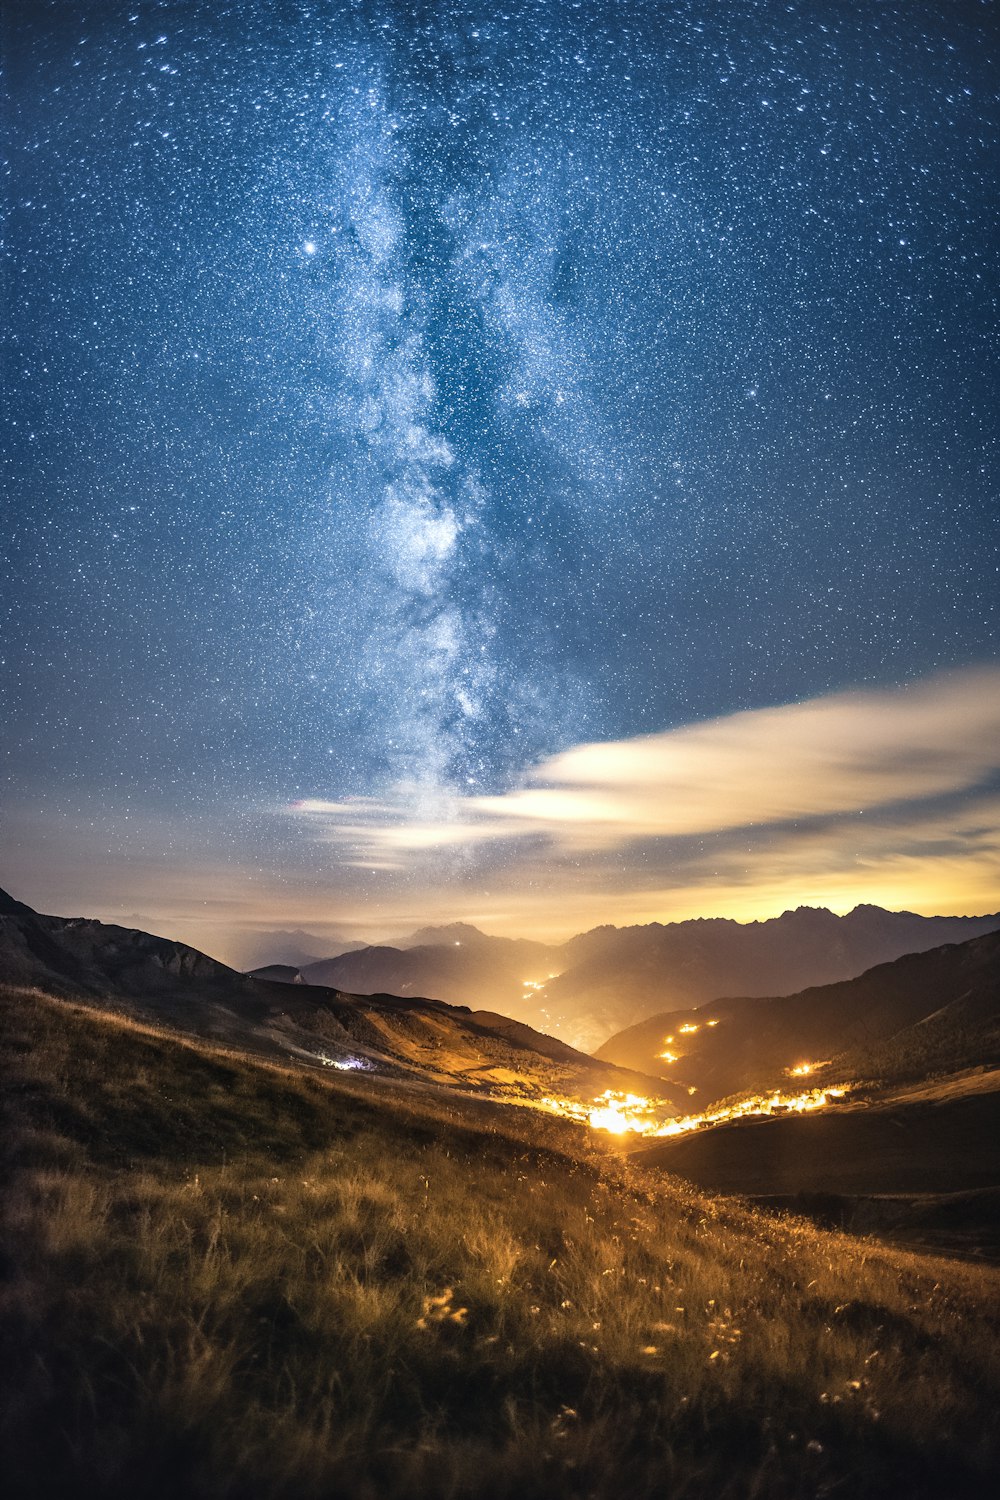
[{"x": 398, "y": 396}]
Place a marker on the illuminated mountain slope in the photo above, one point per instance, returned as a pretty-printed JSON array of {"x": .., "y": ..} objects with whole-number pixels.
[
  {"x": 943, "y": 1006},
  {"x": 168, "y": 983}
]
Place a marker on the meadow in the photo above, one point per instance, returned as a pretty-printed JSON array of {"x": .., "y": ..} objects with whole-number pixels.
[{"x": 226, "y": 1278}]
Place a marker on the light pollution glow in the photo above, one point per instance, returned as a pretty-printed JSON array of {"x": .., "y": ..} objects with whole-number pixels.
[
  {"x": 884, "y": 796},
  {"x": 688, "y": 1029},
  {"x": 888, "y": 797}
]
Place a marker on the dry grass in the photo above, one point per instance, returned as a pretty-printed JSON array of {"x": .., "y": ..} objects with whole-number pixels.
[{"x": 224, "y": 1279}]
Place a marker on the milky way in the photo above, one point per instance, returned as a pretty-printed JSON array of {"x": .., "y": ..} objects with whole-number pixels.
[{"x": 398, "y": 395}]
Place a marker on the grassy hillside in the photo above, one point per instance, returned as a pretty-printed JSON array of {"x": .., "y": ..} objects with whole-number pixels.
[
  {"x": 962, "y": 1034},
  {"x": 225, "y": 1278}
]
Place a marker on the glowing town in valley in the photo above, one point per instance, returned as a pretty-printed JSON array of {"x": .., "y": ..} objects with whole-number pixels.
[{"x": 632, "y": 1113}]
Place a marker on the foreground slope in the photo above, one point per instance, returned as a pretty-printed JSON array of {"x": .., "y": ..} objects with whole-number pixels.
[
  {"x": 166, "y": 982},
  {"x": 228, "y": 1278}
]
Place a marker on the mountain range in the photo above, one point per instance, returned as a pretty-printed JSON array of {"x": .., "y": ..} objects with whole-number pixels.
[
  {"x": 595, "y": 984},
  {"x": 922, "y": 1013},
  {"x": 910, "y": 1149}
]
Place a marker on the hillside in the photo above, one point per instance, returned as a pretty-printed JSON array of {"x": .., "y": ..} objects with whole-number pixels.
[
  {"x": 229, "y": 1278},
  {"x": 943, "y": 1141},
  {"x": 912, "y": 1152},
  {"x": 610, "y": 978},
  {"x": 164, "y": 982},
  {"x": 922, "y": 1013}
]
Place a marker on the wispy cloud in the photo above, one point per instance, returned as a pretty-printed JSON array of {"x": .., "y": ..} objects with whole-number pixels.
[
  {"x": 844, "y": 754},
  {"x": 888, "y": 796},
  {"x": 883, "y": 795}
]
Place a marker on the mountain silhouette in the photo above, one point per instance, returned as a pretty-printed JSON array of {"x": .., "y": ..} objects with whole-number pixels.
[
  {"x": 753, "y": 1043},
  {"x": 587, "y": 989}
]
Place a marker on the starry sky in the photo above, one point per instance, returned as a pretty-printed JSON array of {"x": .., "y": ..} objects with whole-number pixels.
[{"x": 403, "y": 398}]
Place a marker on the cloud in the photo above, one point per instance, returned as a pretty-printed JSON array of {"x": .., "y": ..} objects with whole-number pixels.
[
  {"x": 835, "y": 754},
  {"x": 887, "y": 796},
  {"x": 843, "y": 754}
]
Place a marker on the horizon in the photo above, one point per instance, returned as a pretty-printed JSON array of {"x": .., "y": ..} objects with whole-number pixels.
[{"x": 187, "y": 931}]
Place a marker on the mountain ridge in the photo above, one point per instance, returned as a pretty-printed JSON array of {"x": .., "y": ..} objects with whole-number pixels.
[
  {"x": 165, "y": 982},
  {"x": 600, "y": 981}
]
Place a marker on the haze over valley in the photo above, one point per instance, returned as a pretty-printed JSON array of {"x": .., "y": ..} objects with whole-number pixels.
[{"x": 603, "y": 980}]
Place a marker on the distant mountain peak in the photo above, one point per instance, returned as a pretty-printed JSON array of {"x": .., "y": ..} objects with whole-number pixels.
[
  {"x": 451, "y": 932},
  {"x": 869, "y": 909}
]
